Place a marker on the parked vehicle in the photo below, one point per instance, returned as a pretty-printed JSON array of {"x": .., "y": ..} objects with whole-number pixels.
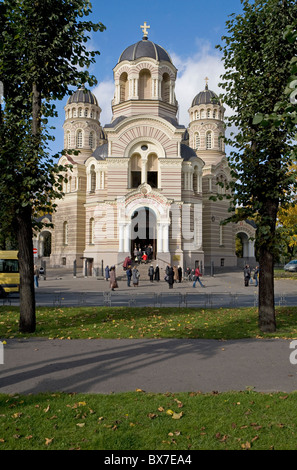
[
  {"x": 291, "y": 266},
  {"x": 9, "y": 271}
]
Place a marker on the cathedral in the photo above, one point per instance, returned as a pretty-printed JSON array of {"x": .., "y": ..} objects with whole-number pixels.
[{"x": 144, "y": 180}]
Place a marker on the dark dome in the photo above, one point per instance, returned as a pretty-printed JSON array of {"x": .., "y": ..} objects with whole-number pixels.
[
  {"x": 206, "y": 97},
  {"x": 83, "y": 96},
  {"x": 145, "y": 48}
]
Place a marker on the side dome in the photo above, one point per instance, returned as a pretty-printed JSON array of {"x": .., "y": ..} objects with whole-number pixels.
[
  {"x": 206, "y": 97},
  {"x": 82, "y": 95},
  {"x": 145, "y": 48}
]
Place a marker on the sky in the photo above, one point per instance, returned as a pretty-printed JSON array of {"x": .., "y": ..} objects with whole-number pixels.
[{"x": 189, "y": 30}]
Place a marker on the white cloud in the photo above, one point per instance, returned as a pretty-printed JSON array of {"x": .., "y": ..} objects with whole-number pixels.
[
  {"x": 104, "y": 93},
  {"x": 192, "y": 71}
]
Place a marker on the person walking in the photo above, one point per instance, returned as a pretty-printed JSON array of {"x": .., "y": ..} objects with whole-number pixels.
[
  {"x": 246, "y": 275},
  {"x": 36, "y": 275},
  {"x": 129, "y": 275},
  {"x": 107, "y": 273},
  {"x": 112, "y": 278},
  {"x": 170, "y": 277},
  {"x": 157, "y": 274},
  {"x": 180, "y": 274},
  {"x": 197, "y": 277},
  {"x": 256, "y": 274},
  {"x": 135, "y": 276},
  {"x": 151, "y": 272}
]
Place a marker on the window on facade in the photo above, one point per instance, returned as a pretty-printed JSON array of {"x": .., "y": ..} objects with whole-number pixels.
[
  {"x": 214, "y": 114},
  {"x": 208, "y": 140},
  {"x": 80, "y": 112},
  {"x": 152, "y": 170},
  {"x": 74, "y": 112},
  {"x": 202, "y": 114},
  {"x": 165, "y": 88},
  {"x": 145, "y": 85},
  {"x": 92, "y": 179},
  {"x": 197, "y": 141},
  {"x": 79, "y": 139},
  {"x": 135, "y": 165},
  {"x": 197, "y": 114},
  {"x": 220, "y": 142},
  {"x": 65, "y": 233},
  {"x": 208, "y": 113},
  {"x": 91, "y": 140},
  {"x": 68, "y": 140},
  {"x": 124, "y": 84},
  {"x": 86, "y": 112}
]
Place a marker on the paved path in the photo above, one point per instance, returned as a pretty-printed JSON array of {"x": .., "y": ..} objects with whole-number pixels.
[{"x": 105, "y": 366}]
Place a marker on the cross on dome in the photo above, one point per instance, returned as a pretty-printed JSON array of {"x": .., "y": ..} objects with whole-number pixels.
[
  {"x": 145, "y": 28},
  {"x": 206, "y": 80}
]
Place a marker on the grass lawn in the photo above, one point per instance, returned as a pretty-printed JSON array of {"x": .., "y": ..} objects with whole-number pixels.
[
  {"x": 144, "y": 421},
  {"x": 127, "y": 322}
]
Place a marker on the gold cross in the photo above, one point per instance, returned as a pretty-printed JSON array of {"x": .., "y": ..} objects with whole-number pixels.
[
  {"x": 206, "y": 79},
  {"x": 145, "y": 28}
]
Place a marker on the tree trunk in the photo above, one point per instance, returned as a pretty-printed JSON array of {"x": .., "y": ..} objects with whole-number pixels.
[
  {"x": 27, "y": 322},
  {"x": 267, "y": 320}
]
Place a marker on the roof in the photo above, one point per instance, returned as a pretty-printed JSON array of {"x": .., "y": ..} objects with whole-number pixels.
[
  {"x": 82, "y": 95},
  {"x": 187, "y": 152},
  {"x": 145, "y": 48},
  {"x": 101, "y": 152},
  {"x": 206, "y": 97}
]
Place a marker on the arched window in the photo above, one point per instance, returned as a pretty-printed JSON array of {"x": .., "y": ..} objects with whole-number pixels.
[
  {"x": 197, "y": 115},
  {"x": 91, "y": 140},
  {"x": 165, "y": 88},
  {"x": 68, "y": 140},
  {"x": 86, "y": 112},
  {"x": 92, "y": 179},
  {"x": 65, "y": 233},
  {"x": 208, "y": 113},
  {"x": 79, "y": 139},
  {"x": 124, "y": 87},
  {"x": 145, "y": 85},
  {"x": 208, "y": 140},
  {"x": 197, "y": 141},
  {"x": 152, "y": 170},
  {"x": 135, "y": 168},
  {"x": 74, "y": 112},
  {"x": 91, "y": 231},
  {"x": 220, "y": 142},
  {"x": 80, "y": 112},
  {"x": 202, "y": 114},
  {"x": 215, "y": 113}
]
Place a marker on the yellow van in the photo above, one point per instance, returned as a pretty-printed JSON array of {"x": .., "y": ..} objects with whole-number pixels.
[{"x": 9, "y": 271}]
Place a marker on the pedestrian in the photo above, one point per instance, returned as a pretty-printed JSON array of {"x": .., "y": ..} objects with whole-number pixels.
[
  {"x": 175, "y": 273},
  {"x": 151, "y": 272},
  {"x": 112, "y": 278},
  {"x": 157, "y": 274},
  {"x": 256, "y": 274},
  {"x": 36, "y": 275},
  {"x": 170, "y": 277},
  {"x": 135, "y": 276},
  {"x": 197, "y": 277},
  {"x": 144, "y": 257},
  {"x": 107, "y": 273},
  {"x": 180, "y": 274},
  {"x": 246, "y": 275},
  {"x": 129, "y": 275}
]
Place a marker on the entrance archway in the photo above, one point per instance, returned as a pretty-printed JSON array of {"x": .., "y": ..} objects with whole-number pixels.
[{"x": 144, "y": 231}]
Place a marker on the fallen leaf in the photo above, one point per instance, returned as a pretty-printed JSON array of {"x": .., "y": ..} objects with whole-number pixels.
[{"x": 48, "y": 441}]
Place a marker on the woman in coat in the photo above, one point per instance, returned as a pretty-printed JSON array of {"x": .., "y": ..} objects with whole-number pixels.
[
  {"x": 135, "y": 276},
  {"x": 170, "y": 277},
  {"x": 112, "y": 278}
]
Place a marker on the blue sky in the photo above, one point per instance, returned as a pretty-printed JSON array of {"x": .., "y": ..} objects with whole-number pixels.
[{"x": 189, "y": 30}]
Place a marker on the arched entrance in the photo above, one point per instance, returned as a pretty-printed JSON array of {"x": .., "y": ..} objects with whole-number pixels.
[{"x": 144, "y": 231}]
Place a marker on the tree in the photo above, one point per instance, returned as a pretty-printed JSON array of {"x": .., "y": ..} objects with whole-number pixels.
[
  {"x": 43, "y": 51},
  {"x": 257, "y": 58}
]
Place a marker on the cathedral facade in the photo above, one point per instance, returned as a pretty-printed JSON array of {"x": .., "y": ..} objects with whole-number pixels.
[{"x": 144, "y": 179}]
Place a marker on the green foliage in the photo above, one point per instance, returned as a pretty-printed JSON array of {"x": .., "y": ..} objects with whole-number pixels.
[{"x": 257, "y": 56}]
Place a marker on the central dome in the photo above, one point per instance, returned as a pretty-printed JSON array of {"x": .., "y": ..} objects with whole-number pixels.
[{"x": 145, "y": 48}]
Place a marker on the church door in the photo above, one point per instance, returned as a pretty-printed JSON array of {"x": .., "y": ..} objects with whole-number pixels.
[{"x": 144, "y": 231}]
